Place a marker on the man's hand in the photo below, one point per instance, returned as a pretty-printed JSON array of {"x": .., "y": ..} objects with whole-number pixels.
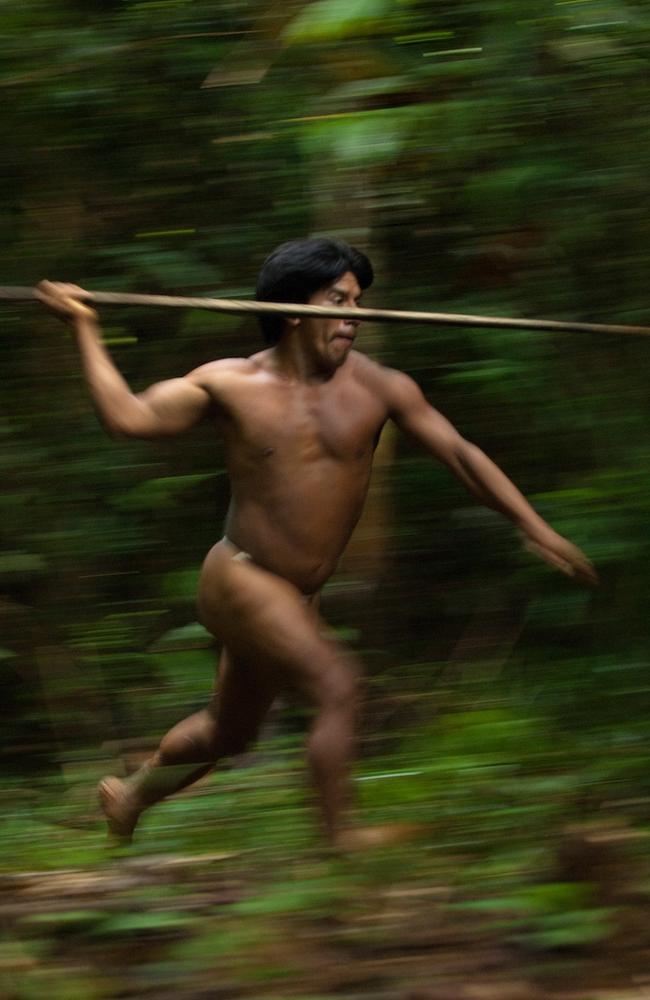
[
  {"x": 558, "y": 552},
  {"x": 64, "y": 301}
]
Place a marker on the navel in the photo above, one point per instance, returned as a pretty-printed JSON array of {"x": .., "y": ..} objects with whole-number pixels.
[{"x": 267, "y": 452}]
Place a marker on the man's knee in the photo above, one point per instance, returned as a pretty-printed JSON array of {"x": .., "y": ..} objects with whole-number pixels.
[
  {"x": 202, "y": 747},
  {"x": 234, "y": 743},
  {"x": 340, "y": 684},
  {"x": 177, "y": 748}
]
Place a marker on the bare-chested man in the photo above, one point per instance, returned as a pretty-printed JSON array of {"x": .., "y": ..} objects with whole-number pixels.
[{"x": 300, "y": 421}]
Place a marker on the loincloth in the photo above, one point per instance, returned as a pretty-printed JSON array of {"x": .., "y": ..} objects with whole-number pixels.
[{"x": 240, "y": 555}]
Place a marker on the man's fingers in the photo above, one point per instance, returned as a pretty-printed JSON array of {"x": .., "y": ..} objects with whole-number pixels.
[
  {"x": 587, "y": 573},
  {"x": 573, "y": 563},
  {"x": 57, "y": 291},
  {"x": 43, "y": 292},
  {"x": 60, "y": 287},
  {"x": 64, "y": 299},
  {"x": 549, "y": 556},
  {"x": 582, "y": 567}
]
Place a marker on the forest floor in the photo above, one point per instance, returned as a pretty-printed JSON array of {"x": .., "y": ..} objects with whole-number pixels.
[
  {"x": 511, "y": 887},
  {"x": 190, "y": 927},
  {"x": 254, "y": 908}
]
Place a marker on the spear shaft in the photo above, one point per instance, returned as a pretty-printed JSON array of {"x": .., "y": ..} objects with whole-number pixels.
[{"x": 243, "y": 307}]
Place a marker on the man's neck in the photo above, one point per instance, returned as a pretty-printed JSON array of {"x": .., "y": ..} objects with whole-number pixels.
[{"x": 291, "y": 361}]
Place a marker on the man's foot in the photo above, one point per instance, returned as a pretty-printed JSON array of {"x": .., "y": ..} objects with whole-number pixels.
[
  {"x": 116, "y": 800},
  {"x": 362, "y": 838}
]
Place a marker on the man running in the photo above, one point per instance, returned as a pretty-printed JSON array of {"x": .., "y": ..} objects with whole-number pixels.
[{"x": 300, "y": 421}]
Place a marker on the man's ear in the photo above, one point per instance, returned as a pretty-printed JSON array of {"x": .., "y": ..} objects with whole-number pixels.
[{"x": 292, "y": 321}]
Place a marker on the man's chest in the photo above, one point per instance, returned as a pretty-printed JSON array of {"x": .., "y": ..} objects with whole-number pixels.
[{"x": 304, "y": 423}]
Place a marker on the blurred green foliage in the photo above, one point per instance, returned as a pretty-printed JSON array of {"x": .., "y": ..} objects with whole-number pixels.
[{"x": 491, "y": 157}]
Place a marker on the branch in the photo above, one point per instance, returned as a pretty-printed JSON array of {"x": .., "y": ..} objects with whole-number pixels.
[{"x": 236, "y": 306}]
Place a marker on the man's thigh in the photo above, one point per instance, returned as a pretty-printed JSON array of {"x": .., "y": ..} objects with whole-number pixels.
[
  {"x": 241, "y": 700},
  {"x": 270, "y": 632}
]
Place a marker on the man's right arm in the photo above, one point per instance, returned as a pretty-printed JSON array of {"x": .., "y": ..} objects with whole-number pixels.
[{"x": 168, "y": 407}]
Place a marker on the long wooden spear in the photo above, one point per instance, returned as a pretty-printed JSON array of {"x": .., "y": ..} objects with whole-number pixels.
[{"x": 19, "y": 293}]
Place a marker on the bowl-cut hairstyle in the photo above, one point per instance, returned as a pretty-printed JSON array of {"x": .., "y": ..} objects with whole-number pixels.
[{"x": 295, "y": 270}]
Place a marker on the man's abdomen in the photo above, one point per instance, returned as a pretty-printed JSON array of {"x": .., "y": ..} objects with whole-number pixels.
[{"x": 298, "y": 534}]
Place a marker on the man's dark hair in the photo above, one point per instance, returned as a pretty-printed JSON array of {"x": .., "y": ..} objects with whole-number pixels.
[{"x": 295, "y": 270}]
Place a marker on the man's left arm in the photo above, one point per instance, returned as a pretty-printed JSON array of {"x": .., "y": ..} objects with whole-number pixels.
[{"x": 416, "y": 417}]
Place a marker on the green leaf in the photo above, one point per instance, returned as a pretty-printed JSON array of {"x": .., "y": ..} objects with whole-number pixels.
[
  {"x": 360, "y": 138},
  {"x": 21, "y": 563},
  {"x": 333, "y": 20},
  {"x": 156, "y": 494},
  {"x": 68, "y": 921},
  {"x": 146, "y": 922},
  {"x": 193, "y": 634}
]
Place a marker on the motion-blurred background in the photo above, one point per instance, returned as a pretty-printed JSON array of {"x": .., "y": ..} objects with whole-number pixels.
[{"x": 491, "y": 156}]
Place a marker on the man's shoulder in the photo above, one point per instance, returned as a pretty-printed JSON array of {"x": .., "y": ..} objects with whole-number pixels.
[
  {"x": 222, "y": 369},
  {"x": 396, "y": 390},
  {"x": 373, "y": 374}
]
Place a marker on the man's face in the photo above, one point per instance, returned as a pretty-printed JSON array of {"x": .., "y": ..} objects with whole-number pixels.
[{"x": 329, "y": 340}]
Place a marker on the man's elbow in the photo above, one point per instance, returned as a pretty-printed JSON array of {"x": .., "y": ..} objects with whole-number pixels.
[
  {"x": 464, "y": 459},
  {"x": 115, "y": 431},
  {"x": 458, "y": 453},
  {"x": 122, "y": 429}
]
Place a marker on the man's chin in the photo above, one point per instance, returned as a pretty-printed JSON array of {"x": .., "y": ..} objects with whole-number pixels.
[
  {"x": 341, "y": 350},
  {"x": 333, "y": 359},
  {"x": 339, "y": 360}
]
